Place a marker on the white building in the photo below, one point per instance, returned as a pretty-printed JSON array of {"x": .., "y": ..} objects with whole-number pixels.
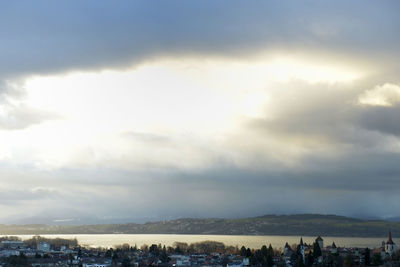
[
  {"x": 12, "y": 244},
  {"x": 43, "y": 246}
]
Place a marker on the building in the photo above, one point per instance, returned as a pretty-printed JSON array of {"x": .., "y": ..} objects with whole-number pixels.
[
  {"x": 43, "y": 246},
  {"x": 390, "y": 246},
  {"x": 320, "y": 242},
  {"x": 302, "y": 250},
  {"x": 334, "y": 248},
  {"x": 96, "y": 265},
  {"x": 12, "y": 244}
]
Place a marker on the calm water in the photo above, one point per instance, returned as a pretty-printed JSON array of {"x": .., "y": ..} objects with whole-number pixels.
[{"x": 248, "y": 241}]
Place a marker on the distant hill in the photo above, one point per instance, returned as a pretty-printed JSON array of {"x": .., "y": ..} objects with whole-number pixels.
[{"x": 301, "y": 224}]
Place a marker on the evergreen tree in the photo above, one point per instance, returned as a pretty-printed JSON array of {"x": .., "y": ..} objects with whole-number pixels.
[
  {"x": 317, "y": 250},
  {"x": 248, "y": 253},
  {"x": 270, "y": 256},
  {"x": 243, "y": 251},
  {"x": 310, "y": 259},
  {"x": 377, "y": 259},
  {"x": 164, "y": 255},
  {"x": 264, "y": 251},
  {"x": 367, "y": 256}
]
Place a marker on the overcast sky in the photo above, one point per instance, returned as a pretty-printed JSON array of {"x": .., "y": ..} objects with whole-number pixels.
[{"x": 117, "y": 111}]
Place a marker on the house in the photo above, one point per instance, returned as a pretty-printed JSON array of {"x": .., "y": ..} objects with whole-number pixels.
[
  {"x": 12, "y": 244},
  {"x": 43, "y": 246}
]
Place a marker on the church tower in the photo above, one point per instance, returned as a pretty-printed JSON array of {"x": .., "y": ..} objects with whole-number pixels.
[
  {"x": 390, "y": 246},
  {"x": 320, "y": 242},
  {"x": 302, "y": 250}
]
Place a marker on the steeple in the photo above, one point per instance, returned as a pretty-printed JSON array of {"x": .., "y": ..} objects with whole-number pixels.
[
  {"x": 390, "y": 246},
  {"x": 301, "y": 241},
  {"x": 390, "y": 241}
]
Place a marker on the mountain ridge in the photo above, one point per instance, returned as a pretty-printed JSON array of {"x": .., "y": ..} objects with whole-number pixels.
[{"x": 297, "y": 224}]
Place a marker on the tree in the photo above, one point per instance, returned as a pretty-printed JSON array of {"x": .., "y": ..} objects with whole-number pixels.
[
  {"x": 114, "y": 259},
  {"x": 243, "y": 251},
  {"x": 377, "y": 259},
  {"x": 348, "y": 261},
  {"x": 367, "y": 256},
  {"x": 248, "y": 253},
  {"x": 154, "y": 250},
  {"x": 317, "y": 250},
  {"x": 180, "y": 247},
  {"x": 264, "y": 251},
  {"x": 310, "y": 259},
  {"x": 17, "y": 261},
  {"x": 163, "y": 255},
  {"x": 271, "y": 250},
  {"x": 108, "y": 253},
  {"x": 270, "y": 256},
  {"x": 126, "y": 262}
]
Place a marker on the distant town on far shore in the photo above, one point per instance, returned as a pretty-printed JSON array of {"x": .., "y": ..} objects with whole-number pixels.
[{"x": 296, "y": 225}]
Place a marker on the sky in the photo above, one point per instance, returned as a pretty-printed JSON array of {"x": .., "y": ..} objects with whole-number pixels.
[{"x": 135, "y": 111}]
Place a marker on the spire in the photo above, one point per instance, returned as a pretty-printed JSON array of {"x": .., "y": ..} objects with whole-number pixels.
[
  {"x": 390, "y": 241},
  {"x": 301, "y": 241},
  {"x": 334, "y": 245}
]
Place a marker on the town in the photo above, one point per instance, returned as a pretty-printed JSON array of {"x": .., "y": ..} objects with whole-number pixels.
[{"x": 44, "y": 252}]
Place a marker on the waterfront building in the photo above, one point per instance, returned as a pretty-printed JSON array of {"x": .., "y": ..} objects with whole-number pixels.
[{"x": 12, "y": 244}]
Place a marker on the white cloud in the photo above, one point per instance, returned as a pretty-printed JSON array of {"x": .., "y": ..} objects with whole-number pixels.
[{"x": 386, "y": 95}]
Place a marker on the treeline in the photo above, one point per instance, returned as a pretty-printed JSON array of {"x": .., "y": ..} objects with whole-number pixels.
[
  {"x": 35, "y": 240},
  {"x": 204, "y": 247},
  {"x": 263, "y": 256},
  {"x": 54, "y": 242}
]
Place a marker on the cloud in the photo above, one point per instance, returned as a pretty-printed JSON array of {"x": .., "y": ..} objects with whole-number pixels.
[
  {"x": 20, "y": 196},
  {"x": 14, "y": 112},
  {"x": 323, "y": 126},
  {"x": 382, "y": 95},
  {"x": 48, "y": 37},
  {"x": 13, "y": 117}
]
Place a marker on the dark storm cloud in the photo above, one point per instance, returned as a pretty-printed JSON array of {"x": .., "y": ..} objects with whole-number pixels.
[
  {"x": 329, "y": 114},
  {"x": 46, "y": 36},
  {"x": 346, "y": 186},
  {"x": 383, "y": 119}
]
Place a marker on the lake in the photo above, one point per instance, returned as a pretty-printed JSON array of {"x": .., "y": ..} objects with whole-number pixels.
[{"x": 110, "y": 240}]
